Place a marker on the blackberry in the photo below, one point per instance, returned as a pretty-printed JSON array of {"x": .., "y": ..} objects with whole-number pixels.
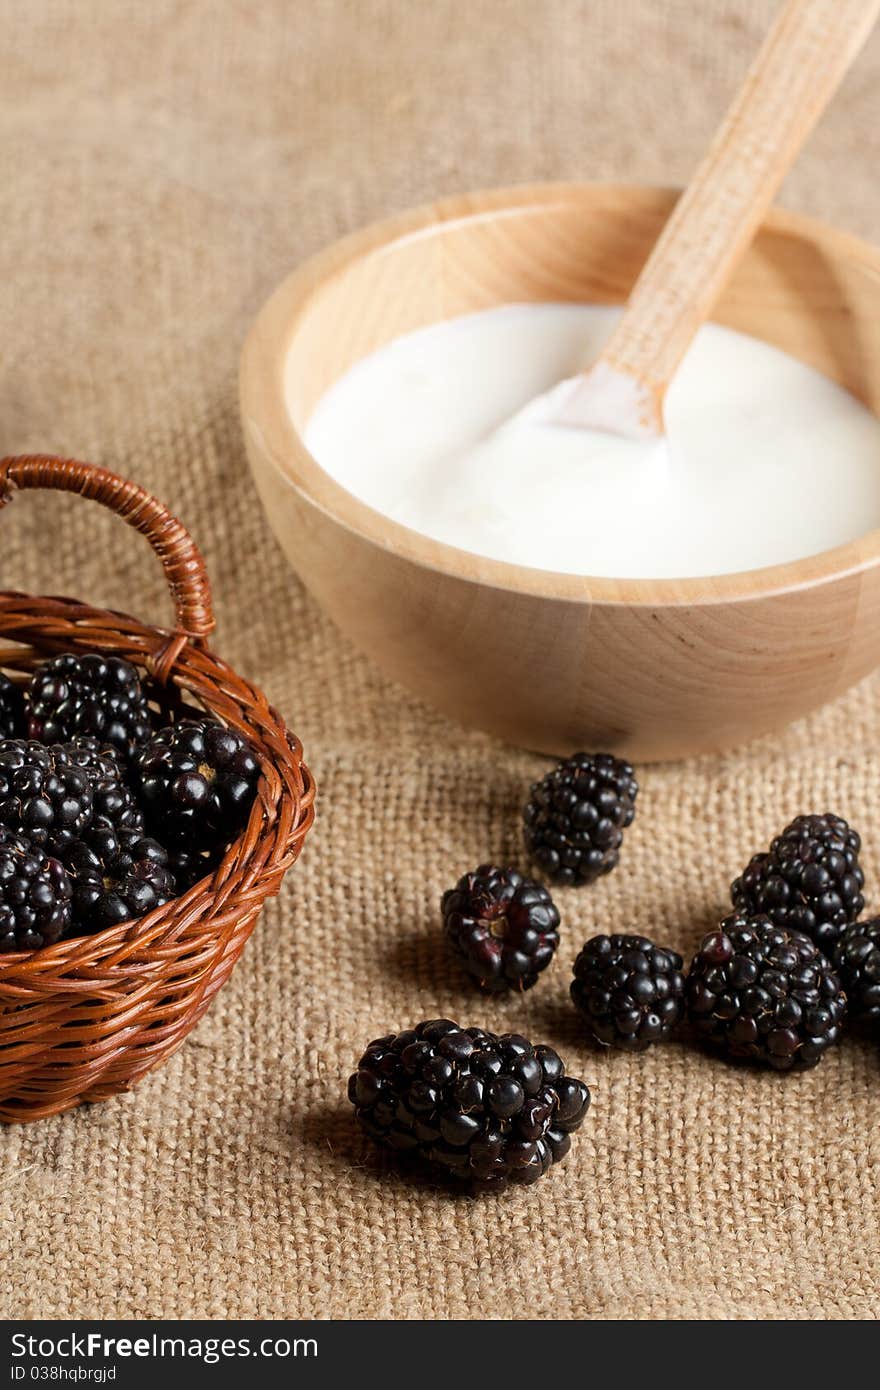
[
  {"x": 485, "y": 1109},
  {"x": 99, "y": 696},
  {"x": 857, "y": 962},
  {"x": 113, "y": 802},
  {"x": 198, "y": 781},
  {"x": 503, "y": 927},
  {"x": 760, "y": 991},
  {"x": 809, "y": 881},
  {"x": 576, "y": 816},
  {"x": 12, "y": 718},
  {"x": 117, "y": 876},
  {"x": 44, "y": 795},
  {"x": 191, "y": 866},
  {"x": 100, "y": 760},
  {"x": 55, "y": 795},
  {"x": 630, "y": 991},
  {"x": 35, "y": 895}
]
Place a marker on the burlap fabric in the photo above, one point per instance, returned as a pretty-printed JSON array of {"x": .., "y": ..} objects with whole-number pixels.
[{"x": 163, "y": 165}]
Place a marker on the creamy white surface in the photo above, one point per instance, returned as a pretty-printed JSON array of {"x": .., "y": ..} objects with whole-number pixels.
[{"x": 767, "y": 460}]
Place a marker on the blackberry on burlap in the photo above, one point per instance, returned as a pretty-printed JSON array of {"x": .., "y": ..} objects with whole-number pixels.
[
  {"x": 93, "y": 695},
  {"x": 35, "y": 895},
  {"x": 575, "y": 817},
  {"x": 760, "y": 991},
  {"x": 857, "y": 961},
  {"x": 502, "y": 927},
  {"x": 630, "y": 991},
  {"x": 809, "y": 881},
  {"x": 488, "y": 1110}
]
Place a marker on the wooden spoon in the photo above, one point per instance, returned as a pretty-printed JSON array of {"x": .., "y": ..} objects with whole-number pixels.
[{"x": 789, "y": 84}]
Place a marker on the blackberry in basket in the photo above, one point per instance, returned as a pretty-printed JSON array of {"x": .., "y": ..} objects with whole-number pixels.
[
  {"x": 189, "y": 867},
  {"x": 113, "y": 802},
  {"x": 760, "y": 991},
  {"x": 502, "y": 927},
  {"x": 484, "y": 1109},
  {"x": 198, "y": 780},
  {"x": 55, "y": 794},
  {"x": 12, "y": 718},
  {"x": 100, "y": 760},
  {"x": 576, "y": 815},
  {"x": 810, "y": 880},
  {"x": 857, "y": 961},
  {"x": 44, "y": 794},
  {"x": 98, "y": 696},
  {"x": 117, "y": 876},
  {"x": 35, "y": 895},
  {"x": 629, "y": 990}
]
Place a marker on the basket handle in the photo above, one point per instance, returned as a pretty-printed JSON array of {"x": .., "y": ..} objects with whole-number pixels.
[{"x": 180, "y": 556}]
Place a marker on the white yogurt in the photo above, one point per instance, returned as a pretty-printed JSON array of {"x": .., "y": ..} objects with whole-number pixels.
[{"x": 767, "y": 460}]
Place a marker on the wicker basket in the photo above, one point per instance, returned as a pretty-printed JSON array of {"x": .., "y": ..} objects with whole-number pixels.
[{"x": 87, "y": 1017}]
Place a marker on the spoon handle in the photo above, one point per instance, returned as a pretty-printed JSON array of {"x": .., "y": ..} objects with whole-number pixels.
[{"x": 787, "y": 87}]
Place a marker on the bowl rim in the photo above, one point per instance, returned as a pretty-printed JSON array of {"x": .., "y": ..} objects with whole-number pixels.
[{"x": 269, "y": 427}]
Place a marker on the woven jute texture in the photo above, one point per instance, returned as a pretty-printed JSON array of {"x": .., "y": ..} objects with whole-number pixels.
[{"x": 162, "y": 166}]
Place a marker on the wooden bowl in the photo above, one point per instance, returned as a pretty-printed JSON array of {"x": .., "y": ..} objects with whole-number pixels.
[{"x": 648, "y": 668}]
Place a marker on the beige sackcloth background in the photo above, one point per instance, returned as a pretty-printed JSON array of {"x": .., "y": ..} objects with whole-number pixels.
[{"x": 163, "y": 165}]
